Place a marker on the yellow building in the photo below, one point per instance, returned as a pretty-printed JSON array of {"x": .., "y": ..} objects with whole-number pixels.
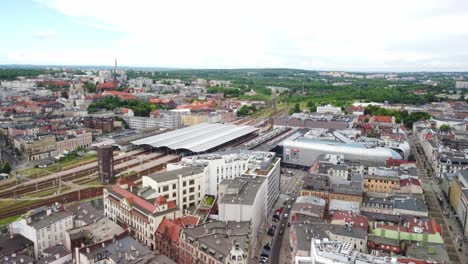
[
  {"x": 383, "y": 184},
  {"x": 459, "y": 182},
  {"x": 190, "y": 120}
]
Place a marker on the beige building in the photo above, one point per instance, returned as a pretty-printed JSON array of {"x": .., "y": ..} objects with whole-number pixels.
[
  {"x": 36, "y": 147},
  {"x": 382, "y": 184},
  {"x": 74, "y": 140}
]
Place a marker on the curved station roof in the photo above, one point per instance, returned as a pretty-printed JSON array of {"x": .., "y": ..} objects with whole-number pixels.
[{"x": 197, "y": 138}]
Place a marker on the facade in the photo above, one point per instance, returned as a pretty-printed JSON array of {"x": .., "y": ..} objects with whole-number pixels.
[
  {"x": 216, "y": 243},
  {"x": 140, "y": 212},
  {"x": 405, "y": 205},
  {"x": 328, "y": 109},
  {"x": 44, "y": 226},
  {"x": 106, "y": 164},
  {"x": 305, "y": 150},
  {"x": 307, "y": 206},
  {"x": 231, "y": 164},
  {"x": 185, "y": 186},
  {"x": 461, "y": 85},
  {"x": 75, "y": 140},
  {"x": 168, "y": 233},
  {"x": 458, "y": 184},
  {"x": 244, "y": 199},
  {"x": 36, "y": 147},
  {"x": 382, "y": 184}
]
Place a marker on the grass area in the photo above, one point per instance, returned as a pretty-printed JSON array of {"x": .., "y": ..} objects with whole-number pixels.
[
  {"x": 6, "y": 221},
  {"x": 209, "y": 200},
  {"x": 65, "y": 164},
  {"x": 93, "y": 182}
]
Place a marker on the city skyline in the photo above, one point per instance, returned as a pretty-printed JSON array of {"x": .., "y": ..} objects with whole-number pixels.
[{"x": 333, "y": 35}]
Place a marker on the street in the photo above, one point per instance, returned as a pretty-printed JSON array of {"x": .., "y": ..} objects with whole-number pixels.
[
  {"x": 431, "y": 190},
  {"x": 289, "y": 188}
]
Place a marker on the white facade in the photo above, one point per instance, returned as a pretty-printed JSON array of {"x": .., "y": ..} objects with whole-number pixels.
[
  {"x": 461, "y": 84},
  {"x": 233, "y": 164},
  {"x": 186, "y": 189},
  {"x": 247, "y": 201},
  {"x": 328, "y": 109},
  {"x": 45, "y": 230}
]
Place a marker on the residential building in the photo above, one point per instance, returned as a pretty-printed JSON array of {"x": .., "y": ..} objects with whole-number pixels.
[
  {"x": 235, "y": 163},
  {"x": 397, "y": 205},
  {"x": 461, "y": 85},
  {"x": 73, "y": 140},
  {"x": 185, "y": 186},
  {"x": 244, "y": 199},
  {"x": 168, "y": 233},
  {"x": 382, "y": 184},
  {"x": 216, "y": 243},
  {"x": 120, "y": 249},
  {"x": 15, "y": 244},
  {"x": 328, "y": 109},
  {"x": 37, "y": 147},
  {"x": 306, "y": 207},
  {"x": 414, "y": 229},
  {"x": 141, "y": 210},
  {"x": 44, "y": 226},
  {"x": 458, "y": 184}
]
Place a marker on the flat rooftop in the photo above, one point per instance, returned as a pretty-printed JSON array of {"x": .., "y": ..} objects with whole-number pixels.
[
  {"x": 197, "y": 138},
  {"x": 173, "y": 174}
]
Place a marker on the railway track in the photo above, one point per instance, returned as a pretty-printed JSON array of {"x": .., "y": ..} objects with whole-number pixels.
[
  {"x": 63, "y": 198},
  {"x": 74, "y": 174}
]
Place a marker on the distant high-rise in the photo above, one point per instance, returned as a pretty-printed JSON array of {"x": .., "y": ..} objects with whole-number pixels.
[
  {"x": 115, "y": 71},
  {"x": 106, "y": 164}
]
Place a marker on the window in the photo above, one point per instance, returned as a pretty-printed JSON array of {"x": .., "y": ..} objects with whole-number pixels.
[
  {"x": 184, "y": 192},
  {"x": 174, "y": 194},
  {"x": 192, "y": 182},
  {"x": 192, "y": 189},
  {"x": 184, "y": 183},
  {"x": 165, "y": 188},
  {"x": 174, "y": 186}
]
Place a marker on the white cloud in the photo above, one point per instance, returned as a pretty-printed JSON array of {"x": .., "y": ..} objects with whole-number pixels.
[
  {"x": 46, "y": 34},
  {"x": 331, "y": 34}
]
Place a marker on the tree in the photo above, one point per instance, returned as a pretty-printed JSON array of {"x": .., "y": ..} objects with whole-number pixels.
[
  {"x": 243, "y": 111},
  {"x": 444, "y": 128},
  {"x": 297, "y": 108},
  {"x": 6, "y": 167},
  {"x": 64, "y": 94},
  {"x": 90, "y": 87}
]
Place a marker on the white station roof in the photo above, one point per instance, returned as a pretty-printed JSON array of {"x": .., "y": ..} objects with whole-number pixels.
[{"x": 197, "y": 138}]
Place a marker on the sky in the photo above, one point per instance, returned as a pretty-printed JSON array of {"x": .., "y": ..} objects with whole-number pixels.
[{"x": 351, "y": 35}]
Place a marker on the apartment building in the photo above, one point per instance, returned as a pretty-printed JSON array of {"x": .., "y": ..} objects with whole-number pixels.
[
  {"x": 235, "y": 163},
  {"x": 44, "y": 226},
  {"x": 141, "y": 210},
  {"x": 244, "y": 199},
  {"x": 382, "y": 184},
  {"x": 216, "y": 243},
  {"x": 185, "y": 186},
  {"x": 73, "y": 140},
  {"x": 36, "y": 147}
]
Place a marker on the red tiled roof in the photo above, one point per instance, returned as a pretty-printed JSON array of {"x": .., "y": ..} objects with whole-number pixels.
[
  {"x": 188, "y": 220},
  {"x": 122, "y": 95},
  {"x": 409, "y": 181},
  {"x": 198, "y": 105},
  {"x": 135, "y": 199},
  {"x": 107, "y": 85},
  {"x": 160, "y": 101},
  {"x": 173, "y": 229},
  {"x": 383, "y": 119},
  {"x": 361, "y": 118},
  {"x": 348, "y": 217}
]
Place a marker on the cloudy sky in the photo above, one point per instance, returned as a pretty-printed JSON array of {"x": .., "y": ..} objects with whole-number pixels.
[{"x": 359, "y": 35}]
